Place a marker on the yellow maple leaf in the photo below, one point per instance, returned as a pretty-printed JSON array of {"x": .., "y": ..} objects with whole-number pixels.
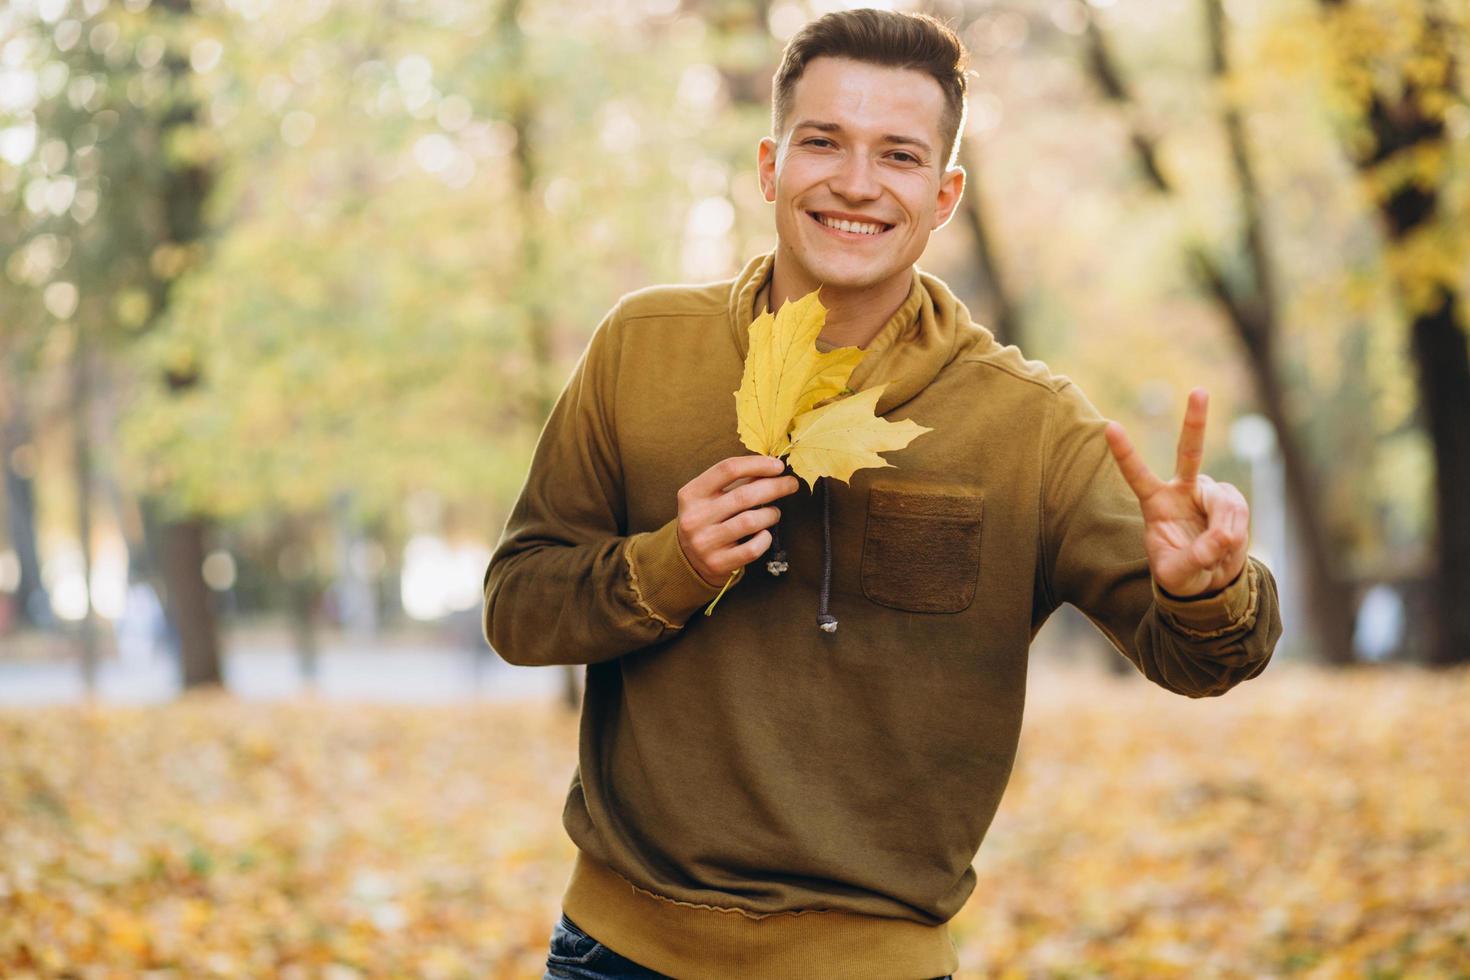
[
  {"x": 779, "y": 410},
  {"x": 785, "y": 375},
  {"x": 845, "y": 436}
]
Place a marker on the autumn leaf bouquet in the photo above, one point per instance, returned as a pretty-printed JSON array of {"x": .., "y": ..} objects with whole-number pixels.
[{"x": 794, "y": 402}]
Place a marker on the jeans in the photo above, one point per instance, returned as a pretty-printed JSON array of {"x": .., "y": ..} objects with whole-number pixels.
[{"x": 577, "y": 956}]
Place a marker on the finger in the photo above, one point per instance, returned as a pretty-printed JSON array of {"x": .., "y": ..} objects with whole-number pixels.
[
  {"x": 1241, "y": 529},
  {"x": 753, "y": 494},
  {"x": 1209, "y": 548},
  {"x": 720, "y": 544},
  {"x": 744, "y": 553},
  {"x": 1134, "y": 469},
  {"x": 712, "y": 481},
  {"x": 1240, "y": 521},
  {"x": 743, "y": 523},
  {"x": 1232, "y": 559},
  {"x": 1226, "y": 509},
  {"x": 1192, "y": 436}
]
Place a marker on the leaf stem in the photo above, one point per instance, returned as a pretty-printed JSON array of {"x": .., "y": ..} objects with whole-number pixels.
[{"x": 711, "y": 607}]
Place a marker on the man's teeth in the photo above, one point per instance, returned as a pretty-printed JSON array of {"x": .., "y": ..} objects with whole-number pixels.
[{"x": 857, "y": 226}]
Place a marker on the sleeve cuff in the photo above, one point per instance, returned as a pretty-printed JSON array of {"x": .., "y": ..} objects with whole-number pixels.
[
  {"x": 665, "y": 584},
  {"x": 1230, "y": 610}
]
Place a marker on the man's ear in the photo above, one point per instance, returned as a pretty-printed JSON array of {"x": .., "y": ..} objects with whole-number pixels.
[
  {"x": 951, "y": 189},
  {"x": 765, "y": 167}
]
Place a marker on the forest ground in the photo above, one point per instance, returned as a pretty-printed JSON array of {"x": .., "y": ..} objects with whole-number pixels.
[{"x": 1308, "y": 823}]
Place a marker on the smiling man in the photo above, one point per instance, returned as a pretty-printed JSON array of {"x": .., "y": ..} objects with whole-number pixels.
[
  {"x": 860, "y": 172},
  {"x": 759, "y": 794}
]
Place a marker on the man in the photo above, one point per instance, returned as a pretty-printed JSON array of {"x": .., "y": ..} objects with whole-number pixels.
[{"x": 756, "y": 797}]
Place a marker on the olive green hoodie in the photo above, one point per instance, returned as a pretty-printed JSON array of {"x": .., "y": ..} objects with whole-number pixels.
[{"x": 757, "y": 797}]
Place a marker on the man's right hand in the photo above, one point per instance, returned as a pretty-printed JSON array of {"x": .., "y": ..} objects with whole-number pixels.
[{"x": 722, "y": 505}]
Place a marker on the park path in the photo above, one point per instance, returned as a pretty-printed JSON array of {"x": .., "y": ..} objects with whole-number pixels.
[{"x": 401, "y": 674}]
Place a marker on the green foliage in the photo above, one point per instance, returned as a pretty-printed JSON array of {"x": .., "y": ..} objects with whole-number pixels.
[{"x": 418, "y": 224}]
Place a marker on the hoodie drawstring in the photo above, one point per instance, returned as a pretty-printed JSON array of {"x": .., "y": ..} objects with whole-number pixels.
[
  {"x": 825, "y": 621},
  {"x": 778, "y": 564}
]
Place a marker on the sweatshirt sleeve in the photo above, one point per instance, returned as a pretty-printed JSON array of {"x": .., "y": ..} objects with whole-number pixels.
[
  {"x": 566, "y": 584},
  {"x": 1093, "y": 557}
]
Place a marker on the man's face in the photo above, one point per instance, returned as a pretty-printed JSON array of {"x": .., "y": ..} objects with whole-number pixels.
[{"x": 862, "y": 144}]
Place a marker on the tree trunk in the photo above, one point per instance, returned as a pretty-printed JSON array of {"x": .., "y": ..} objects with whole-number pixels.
[
  {"x": 1006, "y": 324},
  {"x": 17, "y": 455},
  {"x": 303, "y": 595},
  {"x": 1443, "y": 359},
  {"x": 81, "y": 390},
  {"x": 189, "y": 603},
  {"x": 1400, "y": 123},
  {"x": 1328, "y": 601}
]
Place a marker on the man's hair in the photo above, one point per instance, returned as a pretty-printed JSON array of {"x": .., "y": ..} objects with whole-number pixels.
[{"x": 880, "y": 37}]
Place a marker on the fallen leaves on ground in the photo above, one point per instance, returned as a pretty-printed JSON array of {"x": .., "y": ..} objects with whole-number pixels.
[
  {"x": 218, "y": 838},
  {"x": 1308, "y": 823}
]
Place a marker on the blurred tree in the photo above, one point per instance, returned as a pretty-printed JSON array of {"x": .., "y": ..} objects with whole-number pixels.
[
  {"x": 410, "y": 251},
  {"x": 1395, "y": 69},
  {"x": 1250, "y": 304},
  {"x": 182, "y": 183},
  {"x": 109, "y": 219},
  {"x": 17, "y": 463},
  {"x": 80, "y": 388},
  {"x": 28, "y": 254},
  {"x": 1006, "y": 321}
]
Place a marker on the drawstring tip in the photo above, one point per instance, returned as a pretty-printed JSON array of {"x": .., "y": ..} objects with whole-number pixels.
[
  {"x": 827, "y": 623},
  {"x": 777, "y": 564}
]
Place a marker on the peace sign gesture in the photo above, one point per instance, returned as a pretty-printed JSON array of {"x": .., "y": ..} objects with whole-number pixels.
[{"x": 1195, "y": 530}]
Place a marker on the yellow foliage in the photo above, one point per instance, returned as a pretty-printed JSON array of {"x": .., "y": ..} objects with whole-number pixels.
[
  {"x": 785, "y": 375},
  {"x": 1421, "y": 165},
  {"x": 1426, "y": 263},
  {"x": 838, "y": 439}
]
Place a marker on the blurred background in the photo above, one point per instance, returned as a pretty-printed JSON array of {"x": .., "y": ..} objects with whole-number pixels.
[{"x": 288, "y": 289}]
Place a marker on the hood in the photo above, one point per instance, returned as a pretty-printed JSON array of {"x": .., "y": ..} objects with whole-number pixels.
[
  {"x": 921, "y": 337},
  {"x": 914, "y": 345}
]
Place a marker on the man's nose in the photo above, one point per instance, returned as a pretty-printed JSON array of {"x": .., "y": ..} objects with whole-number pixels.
[{"x": 855, "y": 179}]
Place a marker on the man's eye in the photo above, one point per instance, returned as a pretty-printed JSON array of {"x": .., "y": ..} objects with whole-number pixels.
[
  {"x": 815, "y": 140},
  {"x": 906, "y": 157}
]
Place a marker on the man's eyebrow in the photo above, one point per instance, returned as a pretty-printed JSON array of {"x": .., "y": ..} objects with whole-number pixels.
[{"x": 832, "y": 127}]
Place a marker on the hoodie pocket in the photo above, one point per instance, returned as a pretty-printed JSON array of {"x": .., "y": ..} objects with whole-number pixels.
[{"x": 921, "y": 548}]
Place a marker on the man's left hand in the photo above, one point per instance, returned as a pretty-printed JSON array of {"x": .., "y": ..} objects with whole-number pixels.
[{"x": 1196, "y": 531}]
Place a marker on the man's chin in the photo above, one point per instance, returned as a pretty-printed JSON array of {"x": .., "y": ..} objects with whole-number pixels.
[
  {"x": 844, "y": 272},
  {"x": 842, "y": 275}
]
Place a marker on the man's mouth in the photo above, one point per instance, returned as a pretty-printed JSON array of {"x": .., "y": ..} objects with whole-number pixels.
[{"x": 848, "y": 228}]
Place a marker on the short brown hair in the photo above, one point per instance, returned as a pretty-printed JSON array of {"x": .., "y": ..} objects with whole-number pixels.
[{"x": 880, "y": 37}]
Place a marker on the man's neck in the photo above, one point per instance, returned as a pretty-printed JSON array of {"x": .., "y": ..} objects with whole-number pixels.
[{"x": 854, "y": 316}]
